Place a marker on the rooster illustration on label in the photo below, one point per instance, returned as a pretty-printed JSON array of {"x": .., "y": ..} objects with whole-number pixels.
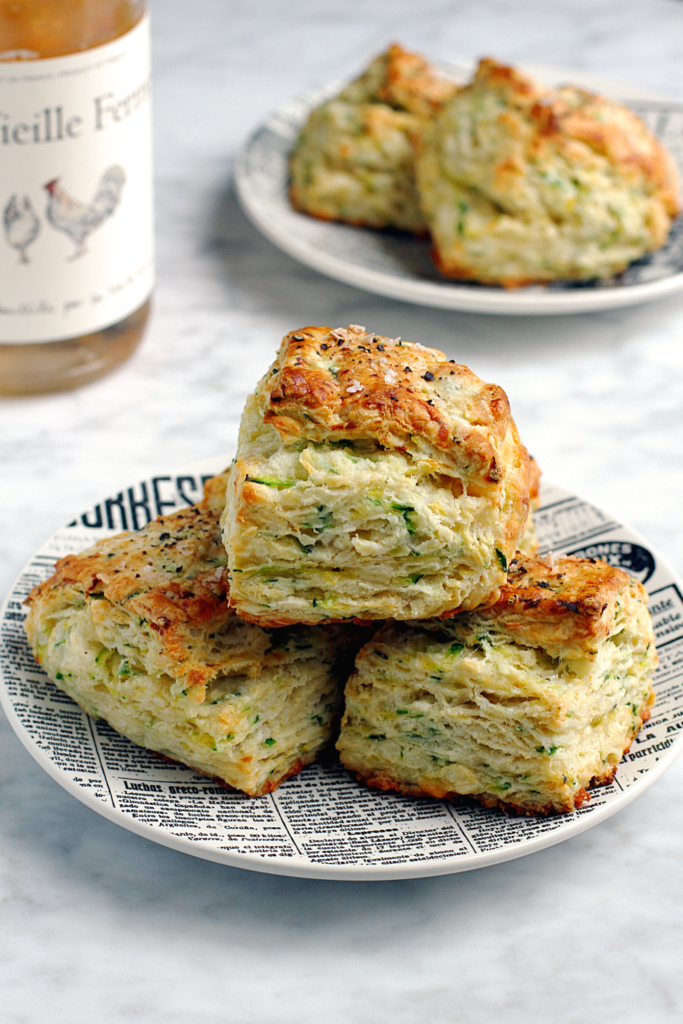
[
  {"x": 21, "y": 225},
  {"x": 77, "y": 219}
]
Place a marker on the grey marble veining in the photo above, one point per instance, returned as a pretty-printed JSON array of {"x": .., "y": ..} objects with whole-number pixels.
[{"x": 101, "y": 925}]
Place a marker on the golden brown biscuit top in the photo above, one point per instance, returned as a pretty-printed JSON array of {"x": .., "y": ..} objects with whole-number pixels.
[
  {"x": 567, "y": 606},
  {"x": 574, "y": 123},
  {"x": 412, "y": 84},
  {"x": 615, "y": 132},
  {"x": 347, "y": 384},
  {"x": 404, "y": 81},
  {"x": 171, "y": 573}
]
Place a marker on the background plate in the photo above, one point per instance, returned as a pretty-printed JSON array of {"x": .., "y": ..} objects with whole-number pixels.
[
  {"x": 398, "y": 265},
  {"x": 322, "y": 823}
]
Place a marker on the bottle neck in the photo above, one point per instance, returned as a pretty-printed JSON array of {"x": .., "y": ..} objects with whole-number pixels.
[{"x": 34, "y": 29}]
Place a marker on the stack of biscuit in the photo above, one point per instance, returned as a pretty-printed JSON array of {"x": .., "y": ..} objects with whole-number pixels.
[
  {"x": 516, "y": 183},
  {"x": 377, "y": 510}
]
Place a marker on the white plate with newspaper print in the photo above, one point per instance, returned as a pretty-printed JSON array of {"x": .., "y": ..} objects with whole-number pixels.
[
  {"x": 399, "y": 266},
  {"x": 322, "y": 823}
]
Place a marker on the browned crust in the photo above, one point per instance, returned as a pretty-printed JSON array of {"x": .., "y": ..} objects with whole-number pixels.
[
  {"x": 215, "y": 487},
  {"x": 387, "y": 783},
  {"x": 568, "y": 115},
  {"x": 565, "y": 603},
  {"x": 113, "y": 568},
  {"x": 349, "y": 384},
  {"x": 269, "y": 787},
  {"x": 272, "y": 784},
  {"x": 136, "y": 572},
  {"x": 411, "y": 83},
  {"x": 629, "y": 145},
  {"x": 579, "y": 798},
  {"x": 517, "y": 88}
]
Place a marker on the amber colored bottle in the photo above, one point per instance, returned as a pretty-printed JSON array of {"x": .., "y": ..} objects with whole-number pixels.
[{"x": 76, "y": 260}]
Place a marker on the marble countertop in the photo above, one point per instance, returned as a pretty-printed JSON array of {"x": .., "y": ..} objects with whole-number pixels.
[{"x": 102, "y": 925}]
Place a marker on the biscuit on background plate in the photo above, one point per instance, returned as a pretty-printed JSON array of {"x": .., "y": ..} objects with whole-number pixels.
[
  {"x": 524, "y": 704},
  {"x": 521, "y": 184},
  {"x": 373, "y": 479},
  {"x": 354, "y": 160},
  {"x": 138, "y": 630}
]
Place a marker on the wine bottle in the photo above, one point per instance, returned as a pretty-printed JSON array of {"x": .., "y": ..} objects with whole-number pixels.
[{"x": 76, "y": 242}]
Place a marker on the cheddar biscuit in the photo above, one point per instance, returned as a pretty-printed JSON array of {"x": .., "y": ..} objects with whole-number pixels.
[
  {"x": 373, "y": 479},
  {"x": 138, "y": 630},
  {"x": 521, "y": 184},
  {"x": 354, "y": 158},
  {"x": 524, "y": 704}
]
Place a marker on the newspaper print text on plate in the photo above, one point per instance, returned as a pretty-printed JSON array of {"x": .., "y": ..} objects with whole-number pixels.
[{"x": 320, "y": 823}]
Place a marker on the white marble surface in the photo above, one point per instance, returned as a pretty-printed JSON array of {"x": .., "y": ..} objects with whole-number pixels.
[{"x": 100, "y": 925}]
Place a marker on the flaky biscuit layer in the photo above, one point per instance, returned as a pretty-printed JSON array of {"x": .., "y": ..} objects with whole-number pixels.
[{"x": 524, "y": 706}]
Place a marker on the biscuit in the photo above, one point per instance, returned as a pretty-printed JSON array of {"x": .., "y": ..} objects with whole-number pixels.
[
  {"x": 138, "y": 630},
  {"x": 373, "y": 479},
  {"x": 523, "y": 184},
  {"x": 354, "y": 158},
  {"x": 524, "y": 704}
]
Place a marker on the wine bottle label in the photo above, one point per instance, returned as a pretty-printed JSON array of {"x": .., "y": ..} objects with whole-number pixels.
[{"x": 76, "y": 244}]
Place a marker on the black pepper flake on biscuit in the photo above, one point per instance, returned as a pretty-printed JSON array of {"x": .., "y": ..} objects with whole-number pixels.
[
  {"x": 571, "y": 606},
  {"x": 428, "y": 375},
  {"x": 164, "y": 536}
]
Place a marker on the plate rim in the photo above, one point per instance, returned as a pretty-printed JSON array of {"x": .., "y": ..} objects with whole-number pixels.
[
  {"x": 298, "y": 867},
  {"x": 454, "y": 296}
]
